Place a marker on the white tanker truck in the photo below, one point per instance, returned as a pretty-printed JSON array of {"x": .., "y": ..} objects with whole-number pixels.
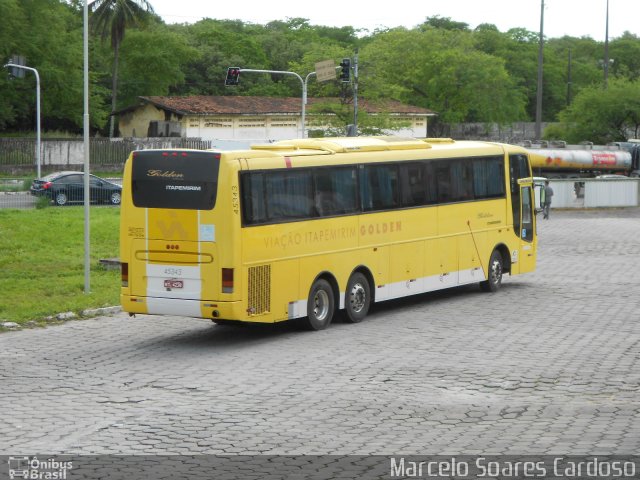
[{"x": 558, "y": 160}]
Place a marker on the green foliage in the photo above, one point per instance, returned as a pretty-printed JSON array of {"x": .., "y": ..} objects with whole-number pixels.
[
  {"x": 152, "y": 62},
  {"x": 443, "y": 23},
  {"x": 465, "y": 75},
  {"x": 341, "y": 115},
  {"x": 43, "y": 267},
  {"x": 601, "y": 115},
  {"x": 455, "y": 79},
  {"x": 42, "y": 202},
  {"x": 625, "y": 52},
  {"x": 110, "y": 19}
]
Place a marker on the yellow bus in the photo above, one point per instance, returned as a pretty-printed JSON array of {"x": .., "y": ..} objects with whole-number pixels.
[{"x": 307, "y": 227}]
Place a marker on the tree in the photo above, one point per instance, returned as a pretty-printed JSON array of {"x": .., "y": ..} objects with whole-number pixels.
[
  {"x": 452, "y": 78},
  {"x": 162, "y": 52},
  {"x": 625, "y": 52},
  {"x": 602, "y": 115},
  {"x": 110, "y": 19},
  {"x": 443, "y": 23},
  {"x": 14, "y": 23}
]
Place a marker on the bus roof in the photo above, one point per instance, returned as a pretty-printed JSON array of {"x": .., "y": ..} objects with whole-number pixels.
[
  {"x": 351, "y": 144},
  {"x": 331, "y": 145}
]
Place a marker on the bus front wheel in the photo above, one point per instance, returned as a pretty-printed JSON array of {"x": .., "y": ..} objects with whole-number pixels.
[
  {"x": 494, "y": 277},
  {"x": 358, "y": 298},
  {"x": 320, "y": 306}
]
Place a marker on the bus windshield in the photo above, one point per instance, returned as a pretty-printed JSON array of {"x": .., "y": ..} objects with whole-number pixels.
[{"x": 176, "y": 180}]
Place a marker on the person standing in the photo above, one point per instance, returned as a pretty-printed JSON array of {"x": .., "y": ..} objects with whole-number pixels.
[{"x": 548, "y": 195}]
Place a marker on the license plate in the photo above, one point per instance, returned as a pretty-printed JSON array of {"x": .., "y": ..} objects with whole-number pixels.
[{"x": 173, "y": 284}]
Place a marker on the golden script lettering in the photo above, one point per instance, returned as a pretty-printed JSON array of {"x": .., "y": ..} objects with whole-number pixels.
[{"x": 164, "y": 174}]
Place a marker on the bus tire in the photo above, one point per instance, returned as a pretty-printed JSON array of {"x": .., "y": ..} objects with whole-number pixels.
[
  {"x": 320, "y": 306},
  {"x": 494, "y": 274},
  {"x": 358, "y": 298}
]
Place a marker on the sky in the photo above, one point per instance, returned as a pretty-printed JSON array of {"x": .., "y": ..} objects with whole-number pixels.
[{"x": 575, "y": 18}]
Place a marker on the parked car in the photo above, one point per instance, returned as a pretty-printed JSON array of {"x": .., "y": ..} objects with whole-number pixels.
[{"x": 68, "y": 187}]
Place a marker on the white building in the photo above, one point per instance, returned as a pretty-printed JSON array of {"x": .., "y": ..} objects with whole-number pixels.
[{"x": 238, "y": 119}]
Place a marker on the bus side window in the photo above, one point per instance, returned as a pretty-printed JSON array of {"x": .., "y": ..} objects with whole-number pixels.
[
  {"x": 413, "y": 184},
  {"x": 461, "y": 180},
  {"x": 253, "y": 202},
  {"x": 289, "y": 195},
  {"x": 379, "y": 187},
  {"x": 335, "y": 191},
  {"x": 519, "y": 168},
  {"x": 443, "y": 177},
  {"x": 488, "y": 177}
]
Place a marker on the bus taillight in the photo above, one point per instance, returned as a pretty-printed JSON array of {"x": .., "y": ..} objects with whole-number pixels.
[
  {"x": 124, "y": 274},
  {"x": 227, "y": 280}
]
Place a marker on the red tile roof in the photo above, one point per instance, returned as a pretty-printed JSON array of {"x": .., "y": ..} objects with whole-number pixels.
[{"x": 210, "y": 105}]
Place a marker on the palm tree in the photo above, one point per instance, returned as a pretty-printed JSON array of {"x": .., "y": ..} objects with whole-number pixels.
[{"x": 110, "y": 19}]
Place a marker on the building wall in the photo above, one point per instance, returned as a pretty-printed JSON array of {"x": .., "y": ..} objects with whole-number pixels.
[
  {"x": 238, "y": 127},
  {"x": 242, "y": 127},
  {"x": 280, "y": 127},
  {"x": 136, "y": 122}
]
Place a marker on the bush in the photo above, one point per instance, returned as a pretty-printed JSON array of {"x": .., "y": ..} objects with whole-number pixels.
[{"x": 43, "y": 202}]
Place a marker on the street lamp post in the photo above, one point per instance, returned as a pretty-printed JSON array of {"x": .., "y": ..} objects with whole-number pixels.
[
  {"x": 85, "y": 128},
  {"x": 538, "y": 127},
  {"x": 13, "y": 65}
]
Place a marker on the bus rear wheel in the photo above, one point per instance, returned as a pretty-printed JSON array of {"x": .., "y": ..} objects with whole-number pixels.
[
  {"x": 320, "y": 306},
  {"x": 358, "y": 298},
  {"x": 496, "y": 267}
]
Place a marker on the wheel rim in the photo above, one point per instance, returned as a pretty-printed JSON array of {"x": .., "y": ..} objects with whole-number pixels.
[
  {"x": 61, "y": 199},
  {"x": 115, "y": 198},
  {"x": 357, "y": 297},
  {"x": 496, "y": 272},
  {"x": 321, "y": 305}
]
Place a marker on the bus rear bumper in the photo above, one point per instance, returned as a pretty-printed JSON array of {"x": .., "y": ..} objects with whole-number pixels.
[{"x": 184, "y": 308}]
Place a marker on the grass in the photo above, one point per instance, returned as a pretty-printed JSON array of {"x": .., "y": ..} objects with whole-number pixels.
[{"x": 42, "y": 262}]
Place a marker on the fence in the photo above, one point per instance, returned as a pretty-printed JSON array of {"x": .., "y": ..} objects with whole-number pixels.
[
  {"x": 17, "y": 155},
  {"x": 595, "y": 192}
]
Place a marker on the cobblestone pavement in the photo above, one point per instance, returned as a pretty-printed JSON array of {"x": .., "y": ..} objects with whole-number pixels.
[{"x": 549, "y": 365}]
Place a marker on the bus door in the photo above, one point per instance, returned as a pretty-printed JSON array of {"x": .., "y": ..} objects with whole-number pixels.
[
  {"x": 527, "y": 234},
  {"x": 522, "y": 205}
]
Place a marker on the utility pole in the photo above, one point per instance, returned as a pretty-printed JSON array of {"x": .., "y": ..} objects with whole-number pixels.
[
  {"x": 355, "y": 94},
  {"x": 569, "y": 79},
  {"x": 540, "y": 61},
  {"x": 606, "y": 49},
  {"x": 85, "y": 122}
]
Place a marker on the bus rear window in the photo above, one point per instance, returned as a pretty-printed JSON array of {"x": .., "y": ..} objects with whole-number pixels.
[{"x": 175, "y": 179}]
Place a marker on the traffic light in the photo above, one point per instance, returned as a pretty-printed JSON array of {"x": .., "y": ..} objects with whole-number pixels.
[
  {"x": 233, "y": 76},
  {"x": 345, "y": 73}
]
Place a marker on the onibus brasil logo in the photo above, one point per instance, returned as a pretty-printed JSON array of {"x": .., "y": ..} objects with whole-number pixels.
[{"x": 32, "y": 468}]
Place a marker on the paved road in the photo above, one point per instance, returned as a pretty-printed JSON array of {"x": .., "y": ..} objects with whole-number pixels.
[
  {"x": 17, "y": 200},
  {"x": 549, "y": 365}
]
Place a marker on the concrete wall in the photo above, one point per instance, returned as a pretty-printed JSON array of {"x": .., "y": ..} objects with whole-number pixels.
[
  {"x": 136, "y": 124},
  {"x": 243, "y": 127},
  {"x": 595, "y": 192}
]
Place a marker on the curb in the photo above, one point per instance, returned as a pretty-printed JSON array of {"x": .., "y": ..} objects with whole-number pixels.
[{"x": 61, "y": 317}]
